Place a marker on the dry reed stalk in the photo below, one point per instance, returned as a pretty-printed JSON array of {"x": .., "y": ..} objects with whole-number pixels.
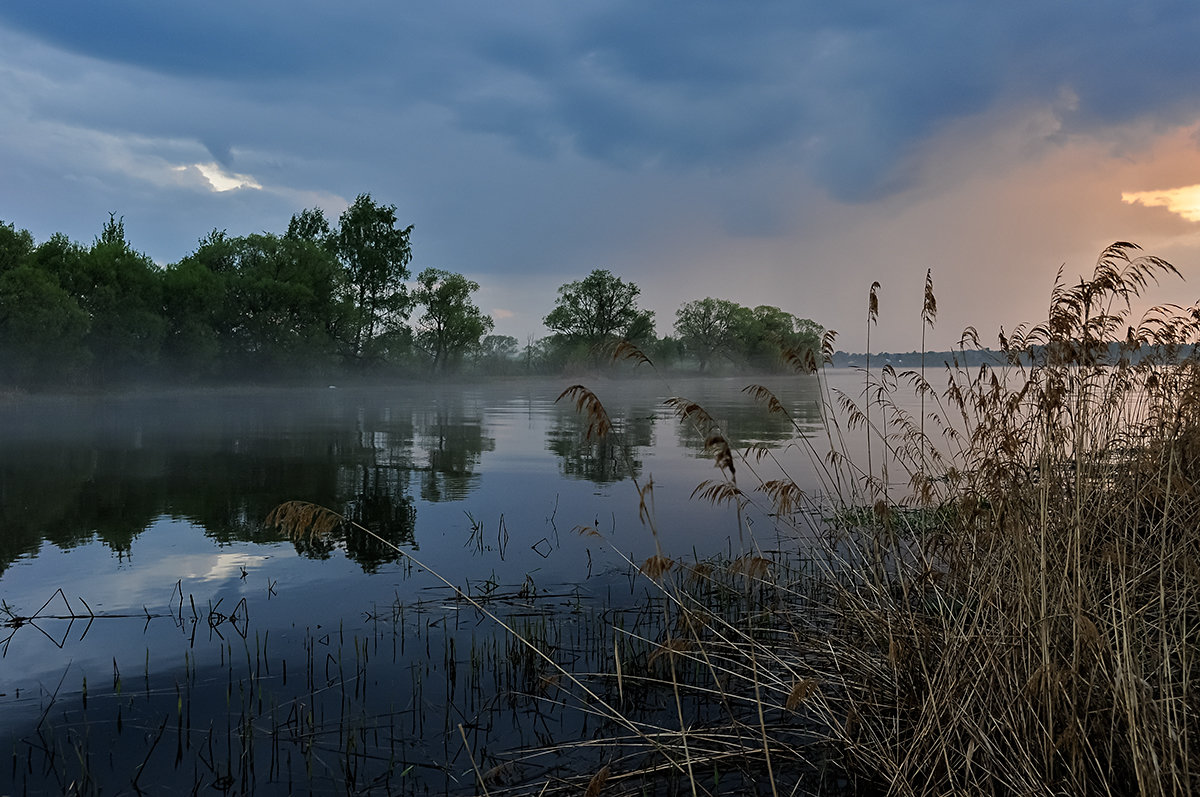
[
  {"x": 1057, "y": 609},
  {"x": 1025, "y": 622}
]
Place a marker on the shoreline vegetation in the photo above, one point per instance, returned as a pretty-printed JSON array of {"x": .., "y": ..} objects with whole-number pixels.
[
  {"x": 326, "y": 302},
  {"x": 1002, "y": 596}
]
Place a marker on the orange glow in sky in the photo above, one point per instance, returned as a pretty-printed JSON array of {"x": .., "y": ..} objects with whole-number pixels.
[{"x": 1184, "y": 201}]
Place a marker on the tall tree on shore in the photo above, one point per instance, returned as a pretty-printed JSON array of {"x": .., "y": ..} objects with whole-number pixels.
[
  {"x": 375, "y": 253},
  {"x": 599, "y": 310},
  {"x": 198, "y": 307},
  {"x": 708, "y": 328},
  {"x": 310, "y": 224},
  {"x": 452, "y": 324},
  {"x": 286, "y": 291},
  {"x": 15, "y": 246},
  {"x": 499, "y": 354},
  {"x": 762, "y": 337},
  {"x": 121, "y": 291},
  {"x": 257, "y": 304},
  {"x": 42, "y": 328},
  {"x": 767, "y": 333}
]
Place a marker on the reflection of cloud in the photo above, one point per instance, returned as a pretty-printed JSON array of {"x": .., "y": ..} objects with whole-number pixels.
[
  {"x": 1184, "y": 201},
  {"x": 222, "y": 566}
]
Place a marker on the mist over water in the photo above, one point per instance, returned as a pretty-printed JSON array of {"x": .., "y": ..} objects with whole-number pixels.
[
  {"x": 132, "y": 534},
  {"x": 103, "y": 470}
]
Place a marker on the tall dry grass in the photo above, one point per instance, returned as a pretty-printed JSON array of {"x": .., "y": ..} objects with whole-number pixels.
[
  {"x": 1035, "y": 628},
  {"x": 1004, "y": 598},
  {"x": 1026, "y": 620}
]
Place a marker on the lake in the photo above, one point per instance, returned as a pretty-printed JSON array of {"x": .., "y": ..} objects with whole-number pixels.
[{"x": 157, "y": 636}]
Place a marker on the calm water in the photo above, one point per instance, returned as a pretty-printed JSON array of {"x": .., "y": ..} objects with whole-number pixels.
[{"x": 155, "y": 632}]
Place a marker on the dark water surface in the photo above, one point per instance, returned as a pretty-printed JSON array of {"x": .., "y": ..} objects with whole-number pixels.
[{"x": 158, "y": 636}]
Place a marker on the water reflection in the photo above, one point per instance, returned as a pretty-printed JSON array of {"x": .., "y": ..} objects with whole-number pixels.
[
  {"x": 604, "y": 460},
  {"x": 378, "y": 500},
  {"x": 454, "y": 440},
  {"x": 68, "y": 495},
  {"x": 74, "y": 471},
  {"x": 744, "y": 421},
  {"x": 184, "y": 482}
]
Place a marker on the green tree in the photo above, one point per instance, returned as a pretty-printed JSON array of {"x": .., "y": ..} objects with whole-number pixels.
[
  {"x": 283, "y": 305},
  {"x": 451, "y": 325},
  {"x": 597, "y": 311},
  {"x": 42, "y": 328},
  {"x": 121, "y": 291},
  {"x": 199, "y": 305},
  {"x": 708, "y": 328},
  {"x": 15, "y": 247},
  {"x": 254, "y": 305},
  {"x": 217, "y": 252},
  {"x": 194, "y": 298},
  {"x": 59, "y": 256},
  {"x": 310, "y": 224},
  {"x": 286, "y": 289},
  {"x": 766, "y": 333},
  {"x": 665, "y": 352},
  {"x": 375, "y": 253},
  {"x": 499, "y": 354}
]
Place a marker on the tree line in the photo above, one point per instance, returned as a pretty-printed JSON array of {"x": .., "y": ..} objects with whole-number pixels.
[{"x": 324, "y": 300}]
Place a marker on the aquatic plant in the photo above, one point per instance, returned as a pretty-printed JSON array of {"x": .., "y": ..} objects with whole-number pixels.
[{"x": 1022, "y": 620}]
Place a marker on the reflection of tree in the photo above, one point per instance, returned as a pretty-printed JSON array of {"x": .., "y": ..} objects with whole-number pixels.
[
  {"x": 377, "y": 501},
  {"x": 70, "y": 493},
  {"x": 72, "y": 474},
  {"x": 454, "y": 445},
  {"x": 611, "y": 459},
  {"x": 744, "y": 422},
  {"x": 69, "y": 496},
  {"x": 117, "y": 502},
  {"x": 383, "y": 507}
]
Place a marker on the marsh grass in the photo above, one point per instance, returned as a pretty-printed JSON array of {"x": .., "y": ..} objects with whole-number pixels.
[
  {"x": 373, "y": 708},
  {"x": 1034, "y": 627},
  {"x": 540, "y": 678},
  {"x": 1003, "y": 599}
]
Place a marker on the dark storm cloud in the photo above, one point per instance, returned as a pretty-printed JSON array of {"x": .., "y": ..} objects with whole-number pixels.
[
  {"x": 222, "y": 40},
  {"x": 847, "y": 89},
  {"x": 843, "y": 89},
  {"x": 221, "y": 151}
]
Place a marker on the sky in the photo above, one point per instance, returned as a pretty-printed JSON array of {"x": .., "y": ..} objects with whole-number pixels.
[{"x": 785, "y": 153}]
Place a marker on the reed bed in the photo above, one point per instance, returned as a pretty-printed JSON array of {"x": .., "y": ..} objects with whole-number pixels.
[
  {"x": 1030, "y": 625},
  {"x": 1001, "y": 597},
  {"x": 1004, "y": 598}
]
